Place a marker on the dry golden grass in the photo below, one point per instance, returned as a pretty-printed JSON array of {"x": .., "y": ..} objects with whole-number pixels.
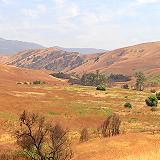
[
  {"x": 78, "y": 107},
  {"x": 152, "y": 155}
]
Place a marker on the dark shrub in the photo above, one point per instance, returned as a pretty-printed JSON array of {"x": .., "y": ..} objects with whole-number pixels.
[
  {"x": 19, "y": 83},
  {"x": 61, "y": 75},
  {"x": 125, "y": 86},
  {"x": 153, "y": 91},
  {"x": 111, "y": 126},
  {"x": 119, "y": 78},
  {"x": 152, "y": 101},
  {"x": 153, "y": 109},
  {"x": 128, "y": 105},
  {"x": 158, "y": 95},
  {"x": 38, "y": 82},
  {"x": 101, "y": 87},
  {"x": 84, "y": 135}
]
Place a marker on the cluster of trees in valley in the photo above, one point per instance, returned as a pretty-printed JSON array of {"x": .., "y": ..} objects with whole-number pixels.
[{"x": 93, "y": 79}]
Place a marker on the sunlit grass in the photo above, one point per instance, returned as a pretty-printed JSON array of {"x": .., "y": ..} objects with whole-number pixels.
[{"x": 153, "y": 155}]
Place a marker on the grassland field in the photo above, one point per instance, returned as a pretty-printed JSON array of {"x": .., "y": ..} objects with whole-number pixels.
[{"x": 76, "y": 107}]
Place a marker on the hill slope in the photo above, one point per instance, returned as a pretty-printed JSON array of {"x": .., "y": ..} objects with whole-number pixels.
[
  {"x": 4, "y": 59},
  {"x": 127, "y": 60},
  {"x": 142, "y": 57},
  {"x": 50, "y": 58},
  {"x": 12, "y": 74},
  {"x": 8, "y": 47}
]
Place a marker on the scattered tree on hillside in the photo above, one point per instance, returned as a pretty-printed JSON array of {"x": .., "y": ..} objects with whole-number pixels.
[
  {"x": 41, "y": 141},
  {"x": 84, "y": 135},
  {"x": 152, "y": 101},
  {"x": 139, "y": 81},
  {"x": 111, "y": 126}
]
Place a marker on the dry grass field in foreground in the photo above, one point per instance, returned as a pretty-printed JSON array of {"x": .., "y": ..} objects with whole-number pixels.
[{"x": 76, "y": 107}]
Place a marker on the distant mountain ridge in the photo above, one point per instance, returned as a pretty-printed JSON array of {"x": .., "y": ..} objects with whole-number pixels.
[
  {"x": 9, "y": 47},
  {"x": 82, "y": 50}
]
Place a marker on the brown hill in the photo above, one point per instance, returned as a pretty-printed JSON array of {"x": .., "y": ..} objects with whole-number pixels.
[
  {"x": 12, "y": 74},
  {"x": 127, "y": 60},
  {"x": 50, "y": 59},
  {"x": 143, "y": 57},
  {"x": 4, "y": 59}
]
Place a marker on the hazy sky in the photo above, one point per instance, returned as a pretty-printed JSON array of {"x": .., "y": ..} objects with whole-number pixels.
[{"x": 107, "y": 24}]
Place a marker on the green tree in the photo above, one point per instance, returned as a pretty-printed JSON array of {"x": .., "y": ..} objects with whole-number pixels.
[
  {"x": 88, "y": 79},
  {"x": 158, "y": 95},
  {"x": 93, "y": 79},
  {"x": 140, "y": 81},
  {"x": 152, "y": 101}
]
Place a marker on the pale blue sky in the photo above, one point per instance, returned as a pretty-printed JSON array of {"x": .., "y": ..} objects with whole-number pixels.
[{"x": 107, "y": 24}]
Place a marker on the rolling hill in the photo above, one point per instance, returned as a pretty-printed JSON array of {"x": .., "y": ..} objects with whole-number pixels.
[
  {"x": 50, "y": 59},
  {"x": 8, "y": 47},
  {"x": 142, "y": 57},
  {"x": 12, "y": 74}
]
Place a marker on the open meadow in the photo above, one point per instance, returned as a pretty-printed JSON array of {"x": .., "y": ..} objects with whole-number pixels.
[{"x": 76, "y": 107}]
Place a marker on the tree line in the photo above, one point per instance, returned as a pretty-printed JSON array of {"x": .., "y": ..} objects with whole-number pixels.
[{"x": 93, "y": 78}]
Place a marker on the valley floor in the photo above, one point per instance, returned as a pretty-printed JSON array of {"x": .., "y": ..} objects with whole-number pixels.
[{"x": 77, "y": 107}]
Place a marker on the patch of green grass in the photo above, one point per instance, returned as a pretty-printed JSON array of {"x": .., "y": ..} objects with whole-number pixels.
[
  {"x": 137, "y": 127},
  {"x": 80, "y": 109},
  {"x": 132, "y": 120},
  {"x": 51, "y": 113},
  {"x": 78, "y": 88},
  {"x": 7, "y": 116},
  {"x": 103, "y": 111}
]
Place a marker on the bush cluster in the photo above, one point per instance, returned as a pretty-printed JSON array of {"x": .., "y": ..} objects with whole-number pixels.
[
  {"x": 158, "y": 95},
  {"x": 125, "y": 86},
  {"x": 128, "y": 105},
  {"x": 152, "y": 101},
  {"x": 38, "y": 82},
  {"x": 101, "y": 87}
]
